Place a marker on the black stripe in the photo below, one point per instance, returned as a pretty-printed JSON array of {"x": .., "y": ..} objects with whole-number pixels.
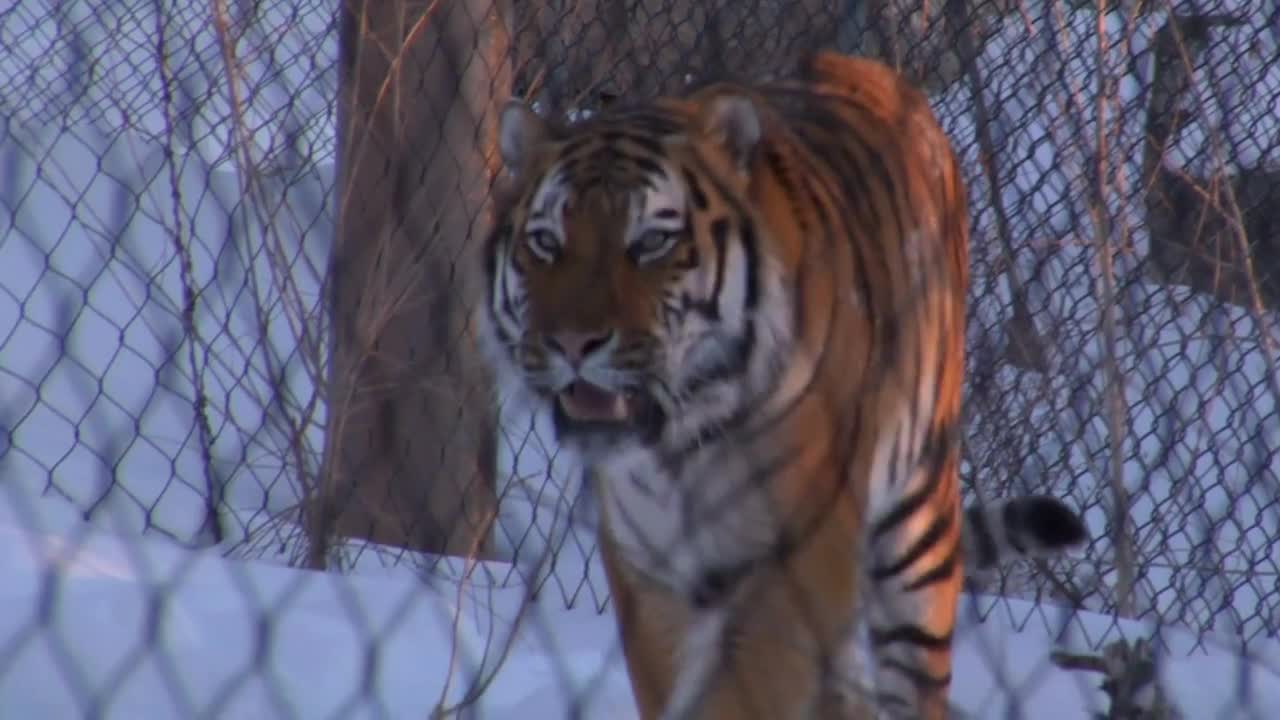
[
  {"x": 943, "y": 571},
  {"x": 885, "y": 699},
  {"x": 641, "y": 485},
  {"x": 850, "y": 105},
  {"x": 726, "y": 372},
  {"x": 751, "y": 258},
  {"x": 575, "y": 167},
  {"x": 937, "y": 530},
  {"x": 696, "y": 193},
  {"x": 716, "y": 585},
  {"x": 839, "y": 228},
  {"x": 764, "y": 425},
  {"x": 577, "y": 145},
  {"x": 647, "y": 143},
  {"x": 827, "y": 232},
  {"x": 895, "y": 459},
  {"x": 761, "y": 479},
  {"x": 907, "y": 506},
  {"x": 789, "y": 183},
  {"x": 689, "y": 257},
  {"x": 801, "y": 198},
  {"x": 840, "y": 231},
  {"x": 940, "y": 443},
  {"x": 888, "y": 360},
  {"x": 921, "y": 679},
  {"x": 910, "y": 634},
  {"x": 854, "y": 176},
  {"x": 503, "y": 337},
  {"x": 610, "y": 162},
  {"x": 720, "y": 239},
  {"x": 644, "y": 163},
  {"x": 833, "y": 141},
  {"x": 673, "y": 464},
  {"x": 710, "y": 308},
  {"x": 508, "y": 309},
  {"x": 508, "y": 302},
  {"x": 729, "y": 369},
  {"x": 671, "y": 309}
]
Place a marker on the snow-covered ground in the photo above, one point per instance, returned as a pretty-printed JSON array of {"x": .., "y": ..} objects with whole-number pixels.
[{"x": 137, "y": 628}]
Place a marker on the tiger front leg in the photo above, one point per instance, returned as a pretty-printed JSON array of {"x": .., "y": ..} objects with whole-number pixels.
[
  {"x": 757, "y": 660},
  {"x": 772, "y": 649}
]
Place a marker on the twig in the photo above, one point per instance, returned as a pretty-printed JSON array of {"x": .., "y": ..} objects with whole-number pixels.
[
  {"x": 1131, "y": 680},
  {"x": 214, "y": 490},
  {"x": 1114, "y": 393}
]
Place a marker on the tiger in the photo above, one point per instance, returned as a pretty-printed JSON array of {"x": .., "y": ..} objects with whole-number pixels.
[{"x": 743, "y": 307}]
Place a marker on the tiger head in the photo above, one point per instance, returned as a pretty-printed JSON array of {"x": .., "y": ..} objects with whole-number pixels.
[{"x": 626, "y": 269}]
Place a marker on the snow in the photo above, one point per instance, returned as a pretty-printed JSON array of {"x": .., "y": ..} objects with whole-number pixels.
[{"x": 140, "y": 628}]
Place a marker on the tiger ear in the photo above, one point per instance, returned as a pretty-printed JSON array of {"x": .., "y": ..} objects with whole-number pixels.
[
  {"x": 520, "y": 130},
  {"x": 734, "y": 122}
]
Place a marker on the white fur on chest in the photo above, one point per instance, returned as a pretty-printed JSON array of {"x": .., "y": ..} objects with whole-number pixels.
[{"x": 675, "y": 529}]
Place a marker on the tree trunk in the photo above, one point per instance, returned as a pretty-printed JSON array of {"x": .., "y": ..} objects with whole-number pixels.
[
  {"x": 1219, "y": 234},
  {"x": 410, "y": 447}
]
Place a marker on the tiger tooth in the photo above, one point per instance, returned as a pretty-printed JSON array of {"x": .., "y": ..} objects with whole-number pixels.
[{"x": 620, "y": 405}]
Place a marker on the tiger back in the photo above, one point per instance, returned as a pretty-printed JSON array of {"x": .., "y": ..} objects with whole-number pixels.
[{"x": 744, "y": 309}]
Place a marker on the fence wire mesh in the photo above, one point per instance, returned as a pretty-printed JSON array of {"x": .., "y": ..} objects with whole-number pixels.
[{"x": 250, "y": 464}]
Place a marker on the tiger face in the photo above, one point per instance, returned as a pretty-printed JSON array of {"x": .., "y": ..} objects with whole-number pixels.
[{"x": 622, "y": 287}]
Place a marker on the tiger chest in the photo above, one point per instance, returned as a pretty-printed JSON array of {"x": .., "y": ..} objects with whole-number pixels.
[{"x": 676, "y": 528}]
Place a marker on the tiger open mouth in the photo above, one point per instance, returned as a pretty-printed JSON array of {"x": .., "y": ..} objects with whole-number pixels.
[
  {"x": 584, "y": 402},
  {"x": 590, "y": 413}
]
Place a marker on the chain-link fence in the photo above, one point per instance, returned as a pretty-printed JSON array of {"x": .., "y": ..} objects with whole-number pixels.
[{"x": 238, "y": 270}]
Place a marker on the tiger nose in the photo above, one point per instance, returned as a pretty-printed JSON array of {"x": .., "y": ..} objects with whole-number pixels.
[{"x": 576, "y": 346}]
